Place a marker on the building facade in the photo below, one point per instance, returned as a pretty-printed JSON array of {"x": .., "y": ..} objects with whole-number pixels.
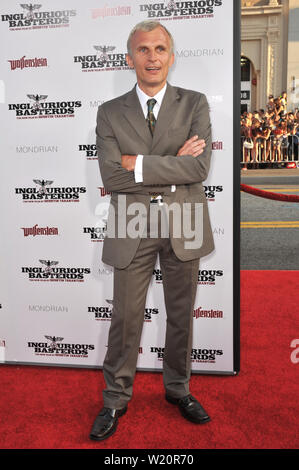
[{"x": 269, "y": 52}]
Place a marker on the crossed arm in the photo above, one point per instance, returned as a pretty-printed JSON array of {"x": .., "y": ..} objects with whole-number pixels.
[
  {"x": 158, "y": 173},
  {"x": 193, "y": 146}
]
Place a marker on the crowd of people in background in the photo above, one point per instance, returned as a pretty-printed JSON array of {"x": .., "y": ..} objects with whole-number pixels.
[{"x": 271, "y": 134}]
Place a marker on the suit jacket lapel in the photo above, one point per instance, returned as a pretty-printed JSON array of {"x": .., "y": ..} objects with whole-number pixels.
[
  {"x": 134, "y": 114},
  {"x": 166, "y": 114}
]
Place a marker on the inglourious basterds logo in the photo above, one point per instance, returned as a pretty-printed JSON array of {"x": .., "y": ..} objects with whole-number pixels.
[
  {"x": 197, "y": 355},
  {"x": 209, "y": 276},
  {"x": 105, "y": 58},
  {"x": 89, "y": 150},
  {"x": 205, "y": 276},
  {"x": 34, "y": 16},
  {"x": 206, "y": 355},
  {"x": 211, "y": 191},
  {"x": 55, "y": 347},
  {"x": 104, "y": 312},
  {"x": 96, "y": 234},
  {"x": 44, "y": 191},
  {"x": 38, "y": 107},
  {"x": 180, "y": 10},
  {"x": 48, "y": 270}
]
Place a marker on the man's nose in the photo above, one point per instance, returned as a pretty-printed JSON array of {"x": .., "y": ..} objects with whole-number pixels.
[{"x": 152, "y": 55}]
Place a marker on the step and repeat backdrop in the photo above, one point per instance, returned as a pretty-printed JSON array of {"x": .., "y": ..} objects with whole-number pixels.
[{"x": 59, "y": 61}]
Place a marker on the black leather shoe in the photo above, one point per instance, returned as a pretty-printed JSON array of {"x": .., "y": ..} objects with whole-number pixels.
[
  {"x": 190, "y": 408},
  {"x": 106, "y": 423}
]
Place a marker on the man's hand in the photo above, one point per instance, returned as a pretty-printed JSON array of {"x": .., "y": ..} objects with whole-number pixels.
[
  {"x": 193, "y": 146},
  {"x": 128, "y": 162}
]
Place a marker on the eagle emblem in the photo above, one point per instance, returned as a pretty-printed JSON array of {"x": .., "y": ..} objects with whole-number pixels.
[
  {"x": 30, "y": 8},
  {"x": 171, "y": 5},
  {"x": 49, "y": 265},
  {"x": 54, "y": 340},
  {"x": 43, "y": 184},
  {"x": 104, "y": 57},
  {"x": 37, "y": 100}
]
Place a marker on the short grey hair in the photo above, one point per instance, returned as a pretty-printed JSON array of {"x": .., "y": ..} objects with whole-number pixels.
[{"x": 146, "y": 26}]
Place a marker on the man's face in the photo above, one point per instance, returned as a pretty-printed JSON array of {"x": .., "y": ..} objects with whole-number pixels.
[{"x": 151, "y": 57}]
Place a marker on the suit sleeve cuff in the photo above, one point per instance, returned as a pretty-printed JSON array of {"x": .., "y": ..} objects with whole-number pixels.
[{"x": 138, "y": 169}]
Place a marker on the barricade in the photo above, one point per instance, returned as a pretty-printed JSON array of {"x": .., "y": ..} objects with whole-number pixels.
[{"x": 269, "y": 151}]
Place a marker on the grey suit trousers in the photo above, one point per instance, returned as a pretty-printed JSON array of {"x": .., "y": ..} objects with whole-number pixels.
[{"x": 130, "y": 291}]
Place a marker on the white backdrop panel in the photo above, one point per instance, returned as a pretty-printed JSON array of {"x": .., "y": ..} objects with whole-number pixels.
[{"x": 56, "y": 294}]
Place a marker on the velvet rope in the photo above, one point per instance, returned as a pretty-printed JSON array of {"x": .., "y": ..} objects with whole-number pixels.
[{"x": 269, "y": 194}]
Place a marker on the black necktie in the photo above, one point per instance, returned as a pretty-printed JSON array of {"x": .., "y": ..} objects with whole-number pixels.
[{"x": 151, "y": 120}]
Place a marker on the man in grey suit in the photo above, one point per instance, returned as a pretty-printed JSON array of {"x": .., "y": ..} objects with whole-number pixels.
[{"x": 154, "y": 148}]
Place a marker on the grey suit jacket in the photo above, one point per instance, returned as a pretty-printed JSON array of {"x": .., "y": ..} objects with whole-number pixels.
[{"x": 122, "y": 130}]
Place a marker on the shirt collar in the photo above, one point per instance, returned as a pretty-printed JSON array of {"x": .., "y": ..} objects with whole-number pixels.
[{"x": 143, "y": 97}]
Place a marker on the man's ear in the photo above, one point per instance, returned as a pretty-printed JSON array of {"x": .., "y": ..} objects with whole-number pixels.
[
  {"x": 171, "y": 60},
  {"x": 129, "y": 61}
]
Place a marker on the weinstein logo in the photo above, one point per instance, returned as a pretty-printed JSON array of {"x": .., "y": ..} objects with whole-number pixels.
[
  {"x": 27, "y": 63},
  {"x": 110, "y": 11},
  {"x": 104, "y": 192},
  {"x": 200, "y": 313},
  {"x": 217, "y": 145},
  {"x": 36, "y": 230}
]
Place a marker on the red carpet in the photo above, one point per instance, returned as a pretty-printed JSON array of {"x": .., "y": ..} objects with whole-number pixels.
[{"x": 53, "y": 408}]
